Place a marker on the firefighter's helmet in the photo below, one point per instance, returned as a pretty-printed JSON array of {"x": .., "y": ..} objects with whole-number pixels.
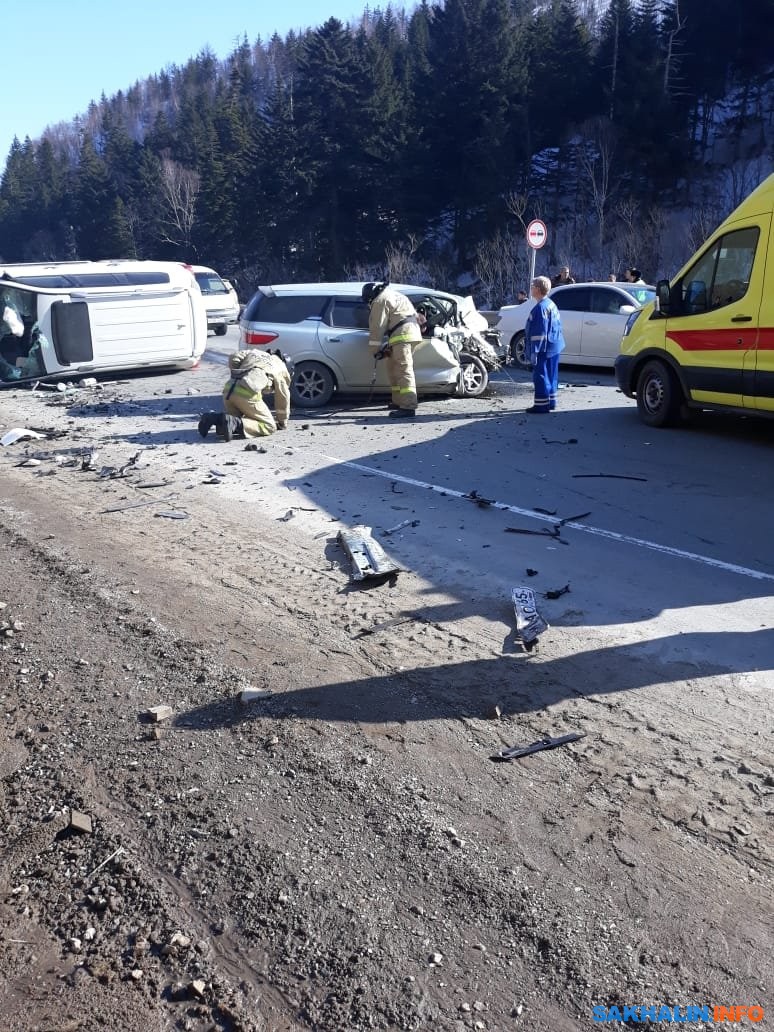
[{"x": 371, "y": 291}]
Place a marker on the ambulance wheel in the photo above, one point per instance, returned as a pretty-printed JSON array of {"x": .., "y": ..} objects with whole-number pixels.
[
  {"x": 312, "y": 385},
  {"x": 517, "y": 351},
  {"x": 220, "y": 330},
  {"x": 659, "y": 397},
  {"x": 475, "y": 378}
]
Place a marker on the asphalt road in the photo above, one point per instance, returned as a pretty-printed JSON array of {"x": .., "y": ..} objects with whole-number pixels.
[{"x": 670, "y": 546}]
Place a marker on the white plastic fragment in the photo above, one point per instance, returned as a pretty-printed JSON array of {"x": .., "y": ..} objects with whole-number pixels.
[{"x": 18, "y": 434}]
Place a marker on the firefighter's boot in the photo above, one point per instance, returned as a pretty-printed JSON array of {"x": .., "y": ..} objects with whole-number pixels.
[
  {"x": 229, "y": 427},
  {"x": 206, "y": 421}
]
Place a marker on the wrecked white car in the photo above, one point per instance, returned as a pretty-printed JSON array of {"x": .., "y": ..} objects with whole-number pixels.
[{"x": 323, "y": 329}]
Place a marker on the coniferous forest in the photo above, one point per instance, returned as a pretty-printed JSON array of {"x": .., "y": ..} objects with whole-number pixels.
[{"x": 419, "y": 143}]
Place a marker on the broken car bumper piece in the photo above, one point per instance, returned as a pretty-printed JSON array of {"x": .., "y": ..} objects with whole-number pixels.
[{"x": 368, "y": 558}]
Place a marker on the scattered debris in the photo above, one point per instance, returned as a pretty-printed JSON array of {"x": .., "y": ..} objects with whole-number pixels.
[
  {"x": 545, "y": 512},
  {"x": 515, "y": 752},
  {"x": 80, "y": 822},
  {"x": 369, "y": 560},
  {"x": 529, "y": 623},
  {"x": 557, "y": 592},
  {"x": 571, "y": 519},
  {"x": 30, "y": 462},
  {"x": 159, "y": 713},
  {"x": 99, "y": 867},
  {"x": 400, "y": 526},
  {"x": 212, "y": 480},
  {"x": 19, "y": 434},
  {"x": 530, "y": 572},
  {"x": 257, "y": 448},
  {"x": 385, "y": 624},
  {"x": 88, "y": 458},
  {"x": 288, "y": 516},
  {"x": 480, "y": 501},
  {"x": 254, "y": 694},
  {"x": 147, "y": 484},
  {"x": 570, "y": 440},
  {"x": 87, "y": 381},
  {"x": 613, "y": 476},
  {"x": 551, "y": 532},
  {"x": 173, "y": 514},
  {"x": 137, "y": 505}
]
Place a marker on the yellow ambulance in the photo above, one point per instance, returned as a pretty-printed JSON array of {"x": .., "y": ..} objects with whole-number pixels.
[{"x": 707, "y": 341}]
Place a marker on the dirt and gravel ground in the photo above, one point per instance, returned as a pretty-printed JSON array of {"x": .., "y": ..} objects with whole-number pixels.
[{"x": 343, "y": 854}]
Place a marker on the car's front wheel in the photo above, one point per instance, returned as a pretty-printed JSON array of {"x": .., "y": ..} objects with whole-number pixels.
[
  {"x": 517, "y": 355},
  {"x": 658, "y": 395},
  {"x": 312, "y": 385},
  {"x": 475, "y": 377}
]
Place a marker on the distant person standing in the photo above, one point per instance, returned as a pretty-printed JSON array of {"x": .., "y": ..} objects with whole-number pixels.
[
  {"x": 633, "y": 275},
  {"x": 521, "y": 297},
  {"x": 613, "y": 278},
  {"x": 543, "y": 343},
  {"x": 562, "y": 277}
]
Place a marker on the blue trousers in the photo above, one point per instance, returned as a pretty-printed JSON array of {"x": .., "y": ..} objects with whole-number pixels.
[{"x": 545, "y": 377}]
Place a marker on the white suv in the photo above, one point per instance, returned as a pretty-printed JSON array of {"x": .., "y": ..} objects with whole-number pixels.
[
  {"x": 220, "y": 299},
  {"x": 323, "y": 328}
]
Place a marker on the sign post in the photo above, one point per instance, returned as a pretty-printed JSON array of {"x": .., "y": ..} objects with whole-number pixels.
[{"x": 537, "y": 234}]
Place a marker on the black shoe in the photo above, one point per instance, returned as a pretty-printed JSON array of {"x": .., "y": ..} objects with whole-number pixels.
[
  {"x": 229, "y": 427},
  {"x": 533, "y": 411},
  {"x": 403, "y": 413},
  {"x": 206, "y": 421}
]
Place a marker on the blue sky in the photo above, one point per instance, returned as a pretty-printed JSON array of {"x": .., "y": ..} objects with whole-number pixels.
[{"x": 58, "y": 55}]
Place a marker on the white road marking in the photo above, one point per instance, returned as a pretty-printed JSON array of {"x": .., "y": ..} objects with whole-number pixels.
[{"x": 611, "y": 535}]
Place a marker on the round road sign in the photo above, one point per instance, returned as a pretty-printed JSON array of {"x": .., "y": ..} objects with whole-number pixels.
[{"x": 537, "y": 234}]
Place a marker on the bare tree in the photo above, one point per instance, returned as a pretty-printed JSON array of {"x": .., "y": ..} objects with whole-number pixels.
[
  {"x": 179, "y": 189},
  {"x": 595, "y": 162},
  {"x": 502, "y": 267},
  {"x": 671, "y": 58}
]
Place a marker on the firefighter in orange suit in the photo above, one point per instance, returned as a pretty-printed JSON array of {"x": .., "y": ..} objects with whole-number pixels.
[{"x": 393, "y": 316}]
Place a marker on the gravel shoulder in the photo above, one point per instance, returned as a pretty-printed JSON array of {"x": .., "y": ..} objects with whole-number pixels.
[{"x": 342, "y": 854}]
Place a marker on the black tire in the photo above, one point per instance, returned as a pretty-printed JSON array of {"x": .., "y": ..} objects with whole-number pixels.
[
  {"x": 475, "y": 376},
  {"x": 659, "y": 395},
  {"x": 312, "y": 385},
  {"x": 517, "y": 351},
  {"x": 220, "y": 330}
]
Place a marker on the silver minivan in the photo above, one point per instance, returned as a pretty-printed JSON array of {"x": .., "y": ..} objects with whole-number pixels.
[{"x": 323, "y": 328}]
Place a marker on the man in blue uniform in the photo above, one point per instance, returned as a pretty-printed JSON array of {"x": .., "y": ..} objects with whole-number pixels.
[{"x": 543, "y": 343}]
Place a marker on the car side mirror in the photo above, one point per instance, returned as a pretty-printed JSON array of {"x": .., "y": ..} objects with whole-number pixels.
[
  {"x": 627, "y": 309},
  {"x": 663, "y": 296}
]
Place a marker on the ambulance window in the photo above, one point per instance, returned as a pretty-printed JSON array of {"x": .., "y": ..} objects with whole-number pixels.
[{"x": 722, "y": 275}]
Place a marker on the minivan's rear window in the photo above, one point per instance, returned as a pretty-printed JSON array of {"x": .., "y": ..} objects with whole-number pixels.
[
  {"x": 290, "y": 309},
  {"x": 210, "y": 283}
]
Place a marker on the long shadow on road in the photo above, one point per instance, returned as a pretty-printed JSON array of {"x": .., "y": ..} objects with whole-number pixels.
[{"x": 469, "y": 689}]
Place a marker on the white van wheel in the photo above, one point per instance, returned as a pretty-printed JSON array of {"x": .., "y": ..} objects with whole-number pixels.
[
  {"x": 220, "y": 330},
  {"x": 312, "y": 385}
]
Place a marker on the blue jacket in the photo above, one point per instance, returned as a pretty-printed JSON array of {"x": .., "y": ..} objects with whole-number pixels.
[{"x": 543, "y": 332}]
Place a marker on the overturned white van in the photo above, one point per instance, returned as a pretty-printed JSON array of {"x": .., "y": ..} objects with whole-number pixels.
[{"x": 74, "y": 318}]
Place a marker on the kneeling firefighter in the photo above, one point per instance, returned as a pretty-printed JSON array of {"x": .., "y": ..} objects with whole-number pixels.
[
  {"x": 253, "y": 374},
  {"x": 392, "y": 314}
]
